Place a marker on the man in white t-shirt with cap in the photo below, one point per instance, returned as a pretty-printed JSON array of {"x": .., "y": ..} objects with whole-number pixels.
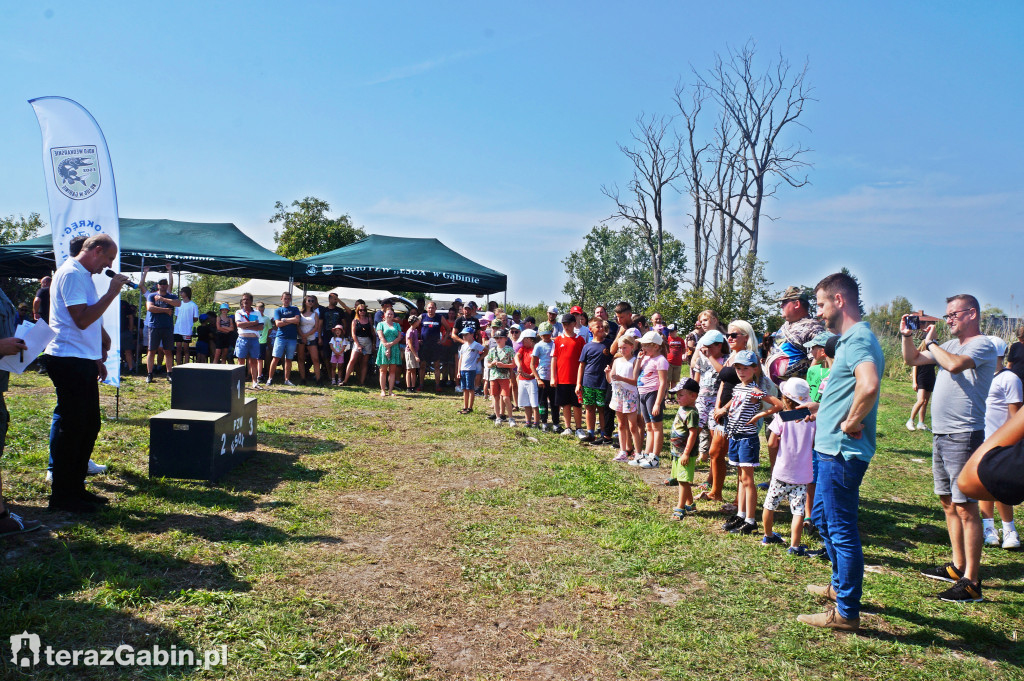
[{"x": 553, "y": 320}]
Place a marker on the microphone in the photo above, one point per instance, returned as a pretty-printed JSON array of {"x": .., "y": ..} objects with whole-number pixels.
[{"x": 129, "y": 283}]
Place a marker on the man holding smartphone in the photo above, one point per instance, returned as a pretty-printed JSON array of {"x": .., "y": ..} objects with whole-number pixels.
[{"x": 965, "y": 367}]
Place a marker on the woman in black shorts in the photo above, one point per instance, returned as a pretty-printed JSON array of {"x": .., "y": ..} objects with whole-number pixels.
[
  {"x": 924, "y": 384},
  {"x": 222, "y": 338},
  {"x": 362, "y": 343}
]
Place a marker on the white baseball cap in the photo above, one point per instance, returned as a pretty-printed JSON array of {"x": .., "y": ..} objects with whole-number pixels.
[
  {"x": 796, "y": 389},
  {"x": 652, "y": 337},
  {"x": 552, "y": 310}
]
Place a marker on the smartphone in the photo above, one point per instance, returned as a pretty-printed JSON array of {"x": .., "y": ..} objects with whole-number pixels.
[
  {"x": 913, "y": 322},
  {"x": 795, "y": 414}
]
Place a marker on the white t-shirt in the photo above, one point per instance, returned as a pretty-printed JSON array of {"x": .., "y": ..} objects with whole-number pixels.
[
  {"x": 72, "y": 285},
  {"x": 185, "y": 316},
  {"x": 624, "y": 367},
  {"x": 1006, "y": 389},
  {"x": 252, "y": 316},
  {"x": 469, "y": 354}
]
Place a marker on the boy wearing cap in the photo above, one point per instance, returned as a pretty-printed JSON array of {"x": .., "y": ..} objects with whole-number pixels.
[
  {"x": 821, "y": 364},
  {"x": 469, "y": 353},
  {"x": 547, "y": 402},
  {"x": 591, "y": 383},
  {"x": 501, "y": 361},
  {"x": 565, "y": 359},
  {"x": 527, "y": 378},
  {"x": 792, "y": 442},
  {"x": 683, "y": 440}
]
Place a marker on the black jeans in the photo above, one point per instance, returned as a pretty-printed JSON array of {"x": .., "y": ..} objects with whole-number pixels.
[
  {"x": 548, "y": 404},
  {"x": 76, "y": 422}
]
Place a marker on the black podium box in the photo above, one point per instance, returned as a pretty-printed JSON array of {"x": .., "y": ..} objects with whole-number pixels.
[
  {"x": 200, "y": 445},
  {"x": 208, "y": 387}
]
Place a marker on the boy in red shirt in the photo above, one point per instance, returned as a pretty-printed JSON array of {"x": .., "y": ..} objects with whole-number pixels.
[
  {"x": 676, "y": 354},
  {"x": 565, "y": 361}
]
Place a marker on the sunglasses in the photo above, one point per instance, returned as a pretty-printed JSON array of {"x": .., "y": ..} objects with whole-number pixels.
[{"x": 733, "y": 336}]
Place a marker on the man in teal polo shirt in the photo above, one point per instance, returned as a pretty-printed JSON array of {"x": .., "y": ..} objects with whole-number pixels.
[{"x": 843, "y": 446}]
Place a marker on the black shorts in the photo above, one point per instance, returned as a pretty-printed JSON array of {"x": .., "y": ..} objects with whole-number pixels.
[
  {"x": 178, "y": 338},
  {"x": 1001, "y": 471},
  {"x": 565, "y": 396},
  {"x": 222, "y": 341},
  {"x": 429, "y": 353}
]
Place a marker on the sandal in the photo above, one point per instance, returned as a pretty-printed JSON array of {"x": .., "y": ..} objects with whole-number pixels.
[
  {"x": 703, "y": 496},
  {"x": 678, "y": 513}
]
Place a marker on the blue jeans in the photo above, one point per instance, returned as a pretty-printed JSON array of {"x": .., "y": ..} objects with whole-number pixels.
[{"x": 838, "y": 492}]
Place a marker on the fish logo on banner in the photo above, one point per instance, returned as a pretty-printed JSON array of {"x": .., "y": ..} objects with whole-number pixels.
[
  {"x": 311, "y": 270},
  {"x": 76, "y": 171}
]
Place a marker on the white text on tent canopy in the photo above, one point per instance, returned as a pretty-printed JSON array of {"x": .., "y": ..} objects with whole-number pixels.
[{"x": 451, "y": 276}]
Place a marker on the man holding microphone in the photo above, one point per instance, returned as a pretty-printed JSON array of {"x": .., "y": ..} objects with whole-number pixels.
[{"x": 75, "y": 362}]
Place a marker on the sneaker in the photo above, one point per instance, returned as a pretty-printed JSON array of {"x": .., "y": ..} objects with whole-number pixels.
[
  {"x": 48, "y": 477},
  {"x": 169, "y": 379},
  {"x": 72, "y": 505},
  {"x": 636, "y": 460},
  {"x": 817, "y": 553},
  {"x": 12, "y": 523},
  {"x": 268, "y": 382},
  {"x": 588, "y": 439},
  {"x": 582, "y": 434},
  {"x": 287, "y": 382},
  {"x": 963, "y": 591},
  {"x": 555, "y": 428},
  {"x": 943, "y": 573},
  {"x": 796, "y": 550},
  {"x": 921, "y": 426},
  {"x": 830, "y": 619},
  {"x": 511, "y": 422},
  {"x": 910, "y": 425},
  {"x": 762, "y": 485},
  {"x": 543, "y": 427},
  {"x": 769, "y": 539},
  {"x": 991, "y": 536},
  {"x": 623, "y": 455},
  {"x": 567, "y": 432},
  {"x": 95, "y": 468},
  {"x": 497, "y": 421},
  {"x": 90, "y": 498},
  {"x": 149, "y": 378},
  {"x": 1011, "y": 540},
  {"x": 745, "y": 529},
  {"x": 650, "y": 462},
  {"x": 491, "y": 417},
  {"x": 733, "y": 522}
]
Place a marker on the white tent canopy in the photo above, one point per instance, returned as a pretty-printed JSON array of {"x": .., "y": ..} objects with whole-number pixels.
[{"x": 269, "y": 292}]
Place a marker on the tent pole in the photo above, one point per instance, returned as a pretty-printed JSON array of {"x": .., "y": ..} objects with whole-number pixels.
[
  {"x": 291, "y": 284},
  {"x": 138, "y": 327},
  {"x": 504, "y": 298}
]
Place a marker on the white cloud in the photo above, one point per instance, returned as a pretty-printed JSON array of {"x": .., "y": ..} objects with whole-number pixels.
[{"x": 412, "y": 70}]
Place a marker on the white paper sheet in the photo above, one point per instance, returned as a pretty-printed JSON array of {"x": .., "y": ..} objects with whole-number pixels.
[{"x": 36, "y": 337}]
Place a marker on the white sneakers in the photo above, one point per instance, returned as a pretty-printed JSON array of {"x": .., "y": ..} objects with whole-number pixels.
[
  {"x": 512, "y": 422},
  {"x": 921, "y": 426},
  {"x": 910, "y": 424},
  {"x": 1011, "y": 540},
  {"x": 567, "y": 431},
  {"x": 650, "y": 462},
  {"x": 93, "y": 469},
  {"x": 991, "y": 536}
]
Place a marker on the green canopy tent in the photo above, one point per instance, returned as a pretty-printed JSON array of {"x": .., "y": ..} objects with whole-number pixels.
[
  {"x": 199, "y": 247},
  {"x": 399, "y": 263}
]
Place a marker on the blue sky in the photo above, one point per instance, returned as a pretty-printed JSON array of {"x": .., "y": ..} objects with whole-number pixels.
[{"x": 493, "y": 127}]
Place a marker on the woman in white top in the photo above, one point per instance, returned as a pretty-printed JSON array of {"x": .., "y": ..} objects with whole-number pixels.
[{"x": 309, "y": 334}]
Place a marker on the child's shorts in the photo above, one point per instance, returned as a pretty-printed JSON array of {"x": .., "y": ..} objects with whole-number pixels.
[
  {"x": 684, "y": 473},
  {"x": 647, "y": 402},
  {"x": 337, "y": 359},
  {"x": 410, "y": 360},
  {"x": 779, "y": 490},
  {"x": 467, "y": 379},
  {"x": 745, "y": 451},
  {"x": 565, "y": 396},
  {"x": 593, "y": 397},
  {"x": 501, "y": 386},
  {"x": 528, "y": 393}
]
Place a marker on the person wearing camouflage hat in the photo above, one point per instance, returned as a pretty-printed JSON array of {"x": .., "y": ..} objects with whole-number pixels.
[{"x": 799, "y": 327}]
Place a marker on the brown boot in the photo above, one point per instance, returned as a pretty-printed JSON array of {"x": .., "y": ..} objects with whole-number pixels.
[
  {"x": 830, "y": 619},
  {"x": 822, "y": 591}
]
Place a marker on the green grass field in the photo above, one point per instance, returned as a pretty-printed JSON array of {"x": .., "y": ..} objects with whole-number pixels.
[{"x": 395, "y": 539}]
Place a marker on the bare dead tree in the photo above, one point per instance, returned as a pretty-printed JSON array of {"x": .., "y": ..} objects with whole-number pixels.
[
  {"x": 656, "y": 165},
  {"x": 761, "y": 106},
  {"x": 692, "y": 164}
]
